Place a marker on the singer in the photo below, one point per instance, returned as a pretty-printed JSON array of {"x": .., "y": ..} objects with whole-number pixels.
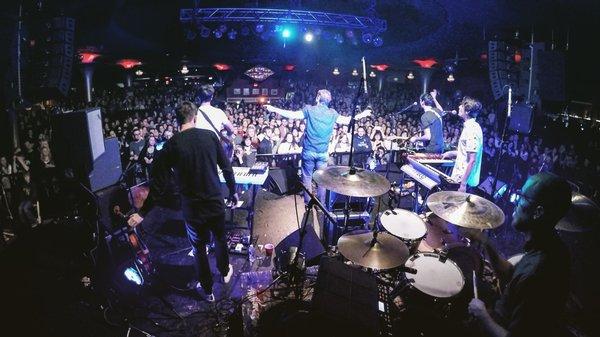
[
  {"x": 432, "y": 124},
  {"x": 320, "y": 119}
]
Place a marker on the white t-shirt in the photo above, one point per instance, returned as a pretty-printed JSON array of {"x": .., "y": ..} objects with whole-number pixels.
[
  {"x": 471, "y": 140},
  {"x": 216, "y": 115}
]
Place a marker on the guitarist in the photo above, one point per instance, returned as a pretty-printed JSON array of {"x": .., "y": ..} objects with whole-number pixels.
[{"x": 214, "y": 119}]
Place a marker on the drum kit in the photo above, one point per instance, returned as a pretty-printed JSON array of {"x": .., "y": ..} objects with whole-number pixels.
[{"x": 426, "y": 274}]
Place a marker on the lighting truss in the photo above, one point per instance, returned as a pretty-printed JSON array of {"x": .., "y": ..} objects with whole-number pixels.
[{"x": 282, "y": 16}]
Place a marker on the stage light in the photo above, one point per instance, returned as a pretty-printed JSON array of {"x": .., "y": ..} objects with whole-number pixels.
[
  {"x": 184, "y": 69},
  {"x": 378, "y": 42},
  {"x": 308, "y": 37},
  {"x": 264, "y": 36},
  {"x": 232, "y": 34},
  {"x": 395, "y": 79},
  {"x": 367, "y": 38},
  {"x": 410, "y": 76},
  {"x": 372, "y": 74},
  {"x": 450, "y": 78},
  {"x": 336, "y": 71},
  {"x": 223, "y": 28},
  {"x": 354, "y": 72},
  {"x": 139, "y": 72},
  {"x": 245, "y": 31},
  {"x": 131, "y": 274},
  {"x": 338, "y": 38},
  {"x": 286, "y": 33},
  {"x": 349, "y": 33},
  {"x": 218, "y": 33},
  {"x": 259, "y": 28},
  {"x": 204, "y": 32}
]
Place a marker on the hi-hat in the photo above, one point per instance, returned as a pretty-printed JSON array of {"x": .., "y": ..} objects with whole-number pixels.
[
  {"x": 583, "y": 215},
  {"x": 384, "y": 252},
  {"x": 361, "y": 183},
  {"x": 465, "y": 210}
]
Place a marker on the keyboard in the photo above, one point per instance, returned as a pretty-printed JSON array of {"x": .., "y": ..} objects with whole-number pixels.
[
  {"x": 431, "y": 159},
  {"x": 244, "y": 176},
  {"x": 425, "y": 174}
]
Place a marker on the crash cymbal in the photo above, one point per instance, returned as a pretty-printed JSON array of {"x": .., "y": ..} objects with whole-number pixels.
[
  {"x": 362, "y": 183},
  {"x": 583, "y": 216},
  {"x": 465, "y": 210},
  {"x": 385, "y": 252}
]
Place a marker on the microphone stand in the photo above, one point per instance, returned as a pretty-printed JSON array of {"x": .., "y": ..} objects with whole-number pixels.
[
  {"x": 294, "y": 270},
  {"x": 497, "y": 169}
]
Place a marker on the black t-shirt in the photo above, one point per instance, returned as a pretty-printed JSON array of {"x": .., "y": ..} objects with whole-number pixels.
[
  {"x": 433, "y": 121},
  {"x": 194, "y": 154},
  {"x": 534, "y": 299}
]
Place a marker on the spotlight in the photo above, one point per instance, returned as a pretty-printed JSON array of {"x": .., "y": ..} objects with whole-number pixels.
[
  {"x": 354, "y": 72},
  {"x": 378, "y": 41},
  {"x": 259, "y": 28},
  {"x": 410, "y": 76},
  {"x": 349, "y": 33},
  {"x": 139, "y": 72},
  {"x": 232, "y": 34},
  {"x": 450, "y": 78},
  {"x": 308, "y": 37},
  {"x": 367, "y": 38},
  {"x": 245, "y": 31},
  {"x": 336, "y": 71},
  {"x": 184, "y": 69},
  {"x": 223, "y": 28},
  {"x": 286, "y": 33},
  {"x": 218, "y": 33},
  {"x": 204, "y": 32},
  {"x": 372, "y": 74}
]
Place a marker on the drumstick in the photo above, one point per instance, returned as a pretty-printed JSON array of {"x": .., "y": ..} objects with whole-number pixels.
[{"x": 475, "y": 295}]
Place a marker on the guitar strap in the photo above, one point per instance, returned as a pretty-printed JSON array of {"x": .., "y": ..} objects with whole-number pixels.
[{"x": 212, "y": 125}]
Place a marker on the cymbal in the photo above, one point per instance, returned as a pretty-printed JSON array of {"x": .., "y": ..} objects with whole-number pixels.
[
  {"x": 385, "y": 252},
  {"x": 583, "y": 215},
  {"x": 465, "y": 210},
  {"x": 360, "y": 184}
]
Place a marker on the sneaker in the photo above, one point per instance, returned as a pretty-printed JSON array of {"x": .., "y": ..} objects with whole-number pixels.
[
  {"x": 226, "y": 278},
  {"x": 201, "y": 292}
]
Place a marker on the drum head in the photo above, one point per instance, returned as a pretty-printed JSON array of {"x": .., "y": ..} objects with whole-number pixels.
[
  {"x": 433, "y": 277},
  {"x": 403, "y": 224}
]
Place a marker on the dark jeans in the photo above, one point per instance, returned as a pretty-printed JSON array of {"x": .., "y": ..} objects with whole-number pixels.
[
  {"x": 198, "y": 232},
  {"x": 312, "y": 161}
]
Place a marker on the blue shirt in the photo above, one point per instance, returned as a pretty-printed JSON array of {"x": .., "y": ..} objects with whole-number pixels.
[{"x": 319, "y": 125}]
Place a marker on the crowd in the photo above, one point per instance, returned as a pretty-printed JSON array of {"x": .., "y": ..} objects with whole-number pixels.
[{"x": 142, "y": 119}]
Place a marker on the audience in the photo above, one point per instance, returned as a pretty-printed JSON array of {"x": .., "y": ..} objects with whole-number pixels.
[{"x": 142, "y": 119}]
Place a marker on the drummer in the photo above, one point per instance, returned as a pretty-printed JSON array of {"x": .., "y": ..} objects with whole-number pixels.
[{"x": 536, "y": 288}]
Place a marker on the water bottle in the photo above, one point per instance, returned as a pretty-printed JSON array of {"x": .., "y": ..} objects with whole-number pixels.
[{"x": 251, "y": 254}]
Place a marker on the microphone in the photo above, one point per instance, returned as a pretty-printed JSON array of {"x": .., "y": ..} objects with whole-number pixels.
[
  {"x": 509, "y": 108},
  {"x": 408, "y": 107}
]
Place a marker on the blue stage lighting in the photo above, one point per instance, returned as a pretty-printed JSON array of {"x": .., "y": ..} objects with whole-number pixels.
[
  {"x": 132, "y": 275},
  {"x": 286, "y": 33},
  {"x": 378, "y": 41},
  {"x": 308, "y": 37}
]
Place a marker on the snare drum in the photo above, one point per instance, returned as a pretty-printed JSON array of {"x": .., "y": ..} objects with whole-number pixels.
[
  {"x": 406, "y": 225},
  {"x": 431, "y": 291}
]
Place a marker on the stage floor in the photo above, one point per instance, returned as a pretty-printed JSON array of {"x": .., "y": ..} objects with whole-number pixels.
[{"x": 44, "y": 295}]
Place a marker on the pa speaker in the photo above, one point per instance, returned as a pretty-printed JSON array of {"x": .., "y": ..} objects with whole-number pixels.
[
  {"x": 488, "y": 185},
  {"x": 282, "y": 181},
  {"x": 78, "y": 140},
  {"x": 107, "y": 168},
  {"x": 521, "y": 118},
  {"x": 311, "y": 245}
]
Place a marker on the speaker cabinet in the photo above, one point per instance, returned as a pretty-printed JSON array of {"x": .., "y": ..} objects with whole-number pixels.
[{"x": 521, "y": 118}]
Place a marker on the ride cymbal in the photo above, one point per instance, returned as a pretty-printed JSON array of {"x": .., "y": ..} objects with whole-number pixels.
[{"x": 465, "y": 210}]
